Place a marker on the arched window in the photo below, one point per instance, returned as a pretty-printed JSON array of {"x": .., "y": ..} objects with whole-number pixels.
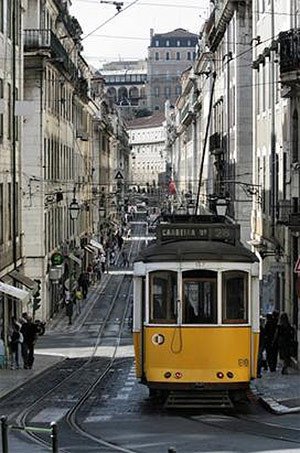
[
  {"x": 123, "y": 96},
  {"x": 134, "y": 95},
  {"x": 295, "y": 137},
  {"x": 112, "y": 94}
]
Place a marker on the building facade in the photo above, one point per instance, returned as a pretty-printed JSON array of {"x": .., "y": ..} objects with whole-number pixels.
[
  {"x": 148, "y": 157},
  {"x": 169, "y": 54},
  {"x": 276, "y": 154},
  {"x": 125, "y": 86}
]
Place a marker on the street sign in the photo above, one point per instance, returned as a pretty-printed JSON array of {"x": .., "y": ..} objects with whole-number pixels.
[
  {"x": 297, "y": 266},
  {"x": 57, "y": 259},
  {"x": 119, "y": 175}
]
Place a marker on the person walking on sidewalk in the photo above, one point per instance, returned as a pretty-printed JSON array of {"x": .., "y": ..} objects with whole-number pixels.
[
  {"x": 270, "y": 344},
  {"x": 69, "y": 306},
  {"x": 285, "y": 335},
  {"x": 16, "y": 341},
  {"x": 30, "y": 341}
]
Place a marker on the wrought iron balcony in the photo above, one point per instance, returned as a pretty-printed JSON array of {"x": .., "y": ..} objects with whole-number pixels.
[
  {"x": 289, "y": 51},
  {"x": 43, "y": 40},
  {"x": 286, "y": 214}
]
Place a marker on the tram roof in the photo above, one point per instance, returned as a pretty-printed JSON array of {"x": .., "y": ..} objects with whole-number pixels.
[{"x": 186, "y": 250}]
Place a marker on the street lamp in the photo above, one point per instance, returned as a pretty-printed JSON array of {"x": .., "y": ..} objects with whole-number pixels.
[
  {"x": 191, "y": 208},
  {"x": 74, "y": 209},
  {"x": 221, "y": 206},
  {"x": 102, "y": 212}
]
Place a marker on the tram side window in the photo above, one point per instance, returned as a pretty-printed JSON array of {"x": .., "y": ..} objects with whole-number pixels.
[
  {"x": 200, "y": 297},
  {"x": 163, "y": 297},
  {"x": 235, "y": 297}
]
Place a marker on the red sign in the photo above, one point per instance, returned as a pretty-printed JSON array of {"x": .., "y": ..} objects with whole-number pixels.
[
  {"x": 297, "y": 266},
  {"x": 172, "y": 189}
]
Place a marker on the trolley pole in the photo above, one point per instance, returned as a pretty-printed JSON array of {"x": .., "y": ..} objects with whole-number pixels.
[
  {"x": 4, "y": 434},
  {"x": 54, "y": 437}
]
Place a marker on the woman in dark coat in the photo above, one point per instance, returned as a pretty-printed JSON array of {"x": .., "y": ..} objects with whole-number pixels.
[{"x": 285, "y": 335}]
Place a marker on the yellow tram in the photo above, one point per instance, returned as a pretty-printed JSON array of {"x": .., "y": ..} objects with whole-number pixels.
[{"x": 196, "y": 307}]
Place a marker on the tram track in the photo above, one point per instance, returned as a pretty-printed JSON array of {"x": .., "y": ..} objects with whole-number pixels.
[{"x": 87, "y": 367}]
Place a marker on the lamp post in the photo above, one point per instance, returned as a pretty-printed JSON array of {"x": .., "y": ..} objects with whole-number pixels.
[
  {"x": 221, "y": 206},
  {"x": 74, "y": 209}
]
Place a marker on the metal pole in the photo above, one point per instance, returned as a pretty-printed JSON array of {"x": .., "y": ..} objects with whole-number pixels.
[
  {"x": 4, "y": 434},
  {"x": 54, "y": 437}
]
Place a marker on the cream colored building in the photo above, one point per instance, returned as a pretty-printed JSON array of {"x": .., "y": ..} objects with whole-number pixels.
[
  {"x": 148, "y": 157},
  {"x": 276, "y": 152}
]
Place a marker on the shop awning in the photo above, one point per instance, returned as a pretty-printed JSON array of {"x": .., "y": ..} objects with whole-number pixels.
[
  {"x": 90, "y": 249},
  {"x": 12, "y": 291},
  {"x": 75, "y": 259},
  {"x": 26, "y": 281},
  {"x": 97, "y": 245}
]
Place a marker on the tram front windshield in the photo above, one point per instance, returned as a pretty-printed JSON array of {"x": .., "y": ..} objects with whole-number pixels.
[{"x": 199, "y": 297}]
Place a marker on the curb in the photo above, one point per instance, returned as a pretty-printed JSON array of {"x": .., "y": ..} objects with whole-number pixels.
[{"x": 272, "y": 404}]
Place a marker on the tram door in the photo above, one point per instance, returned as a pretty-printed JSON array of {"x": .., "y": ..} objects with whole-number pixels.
[{"x": 199, "y": 297}]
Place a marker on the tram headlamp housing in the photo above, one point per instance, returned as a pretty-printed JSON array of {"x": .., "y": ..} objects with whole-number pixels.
[
  {"x": 220, "y": 375},
  {"x": 230, "y": 375},
  {"x": 167, "y": 374}
]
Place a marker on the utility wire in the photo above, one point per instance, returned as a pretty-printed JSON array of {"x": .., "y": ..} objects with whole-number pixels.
[{"x": 110, "y": 19}]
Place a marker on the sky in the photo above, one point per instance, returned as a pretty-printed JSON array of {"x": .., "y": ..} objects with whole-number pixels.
[{"x": 126, "y": 35}]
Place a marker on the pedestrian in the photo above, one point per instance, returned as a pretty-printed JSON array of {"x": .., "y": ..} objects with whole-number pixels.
[
  {"x": 16, "y": 340},
  {"x": 261, "y": 362},
  {"x": 31, "y": 337},
  {"x": 83, "y": 284},
  {"x": 125, "y": 259},
  {"x": 78, "y": 298},
  {"x": 102, "y": 261},
  {"x": 285, "y": 336},
  {"x": 69, "y": 309},
  {"x": 271, "y": 344}
]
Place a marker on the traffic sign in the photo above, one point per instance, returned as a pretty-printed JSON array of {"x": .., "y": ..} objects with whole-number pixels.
[
  {"x": 119, "y": 175},
  {"x": 297, "y": 266}
]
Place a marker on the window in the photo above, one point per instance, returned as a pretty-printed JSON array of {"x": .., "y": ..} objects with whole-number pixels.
[
  {"x": 295, "y": 137},
  {"x": 189, "y": 55},
  {"x": 167, "y": 43},
  {"x": 9, "y": 111},
  {"x": 199, "y": 297},
  {"x": 168, "y": 56},
  {"x": 163, "y": 297},
  {"x": 9, "y": 206},
  {"x": 1, "y": 115},
  {"x": 167, "y": 91},
  {"x": 1, "y": 215},
  {"x": 156, "y": 92},
  {"x": 235, "y": 297},
  {"x": 177, "y": 55},
  {"x": 157, "y": 43},
  {"x": 178, "y": 43},
  {"x": 1, "y": 16},
  {"x": 9, "y": 19},
  {"x": 156, "y": 56},
  {"x": 189, "y": 43}
]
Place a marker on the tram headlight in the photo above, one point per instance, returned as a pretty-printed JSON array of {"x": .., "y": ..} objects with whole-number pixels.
[
  {"x": 220, "y": 375},
  {"x": 230, "y": 375},
  {"x": 167, "y": 375}
]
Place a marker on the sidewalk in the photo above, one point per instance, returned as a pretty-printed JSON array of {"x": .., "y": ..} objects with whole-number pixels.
[
  {"x": 279, "y": 393},
  {"x": 11, "y": 379}
]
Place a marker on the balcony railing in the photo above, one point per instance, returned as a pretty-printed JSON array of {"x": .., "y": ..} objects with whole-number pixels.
[
  {"x": 286, "y": 214},
  {"x": 35, "y": 39},
  {"x": 289, "y": 50}
]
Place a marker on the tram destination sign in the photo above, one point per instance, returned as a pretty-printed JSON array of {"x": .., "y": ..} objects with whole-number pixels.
[{"x": 198, "y": 232}]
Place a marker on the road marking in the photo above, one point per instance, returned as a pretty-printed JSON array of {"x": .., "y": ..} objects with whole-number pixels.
[
  {"x": 98, "y": 418},
  {"x": 51, "y": 414}
]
